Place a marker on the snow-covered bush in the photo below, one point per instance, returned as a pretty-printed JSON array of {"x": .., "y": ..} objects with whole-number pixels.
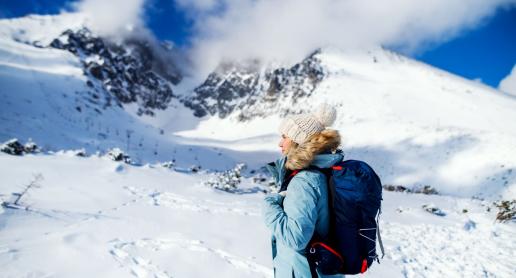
[
  {"x": 267, "y": 181},
  {"x": 195, "y": 168},
  {"x": 31, "y": 147},
  {"x": 168, "y": 164},
  {"x": 426, "y": 189},
  {"x": 14, "y": 147},
  {"x": 227, "y": 180},
  {"x": 79, "y": 152},
  {"x": 434, "y": 210},
  {"x": 395, "y": 188},
  {"x": 117, "y": 154}
]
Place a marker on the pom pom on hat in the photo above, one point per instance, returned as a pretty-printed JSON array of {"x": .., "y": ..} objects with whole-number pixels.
[{"x": 326, "y": 114}]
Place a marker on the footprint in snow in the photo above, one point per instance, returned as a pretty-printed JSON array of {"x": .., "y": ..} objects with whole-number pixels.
[
  {"x": 127, "y": 253},
  {"x": 176, "y": 201},
  {"x": 433, "y": 251}
]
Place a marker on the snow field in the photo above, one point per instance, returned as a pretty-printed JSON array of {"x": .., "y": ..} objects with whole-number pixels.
[{"x": 109, "y": 219}]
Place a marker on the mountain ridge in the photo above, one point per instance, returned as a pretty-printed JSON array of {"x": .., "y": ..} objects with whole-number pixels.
[{"x": 416, "y": 124}]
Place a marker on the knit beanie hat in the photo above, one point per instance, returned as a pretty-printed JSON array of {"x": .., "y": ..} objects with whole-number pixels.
[{"x": 300, "y": 127}]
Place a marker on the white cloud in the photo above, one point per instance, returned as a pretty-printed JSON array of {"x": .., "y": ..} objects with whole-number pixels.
[
  {"x": 114, "y": 18},
  {"x": 508, "y": 84},
  {"x": 287, "y": 30},
  {"x": 119, "y": 20}
]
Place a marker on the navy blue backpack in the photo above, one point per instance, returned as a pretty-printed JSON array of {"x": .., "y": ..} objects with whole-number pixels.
[{"x": 355, "y": 194}]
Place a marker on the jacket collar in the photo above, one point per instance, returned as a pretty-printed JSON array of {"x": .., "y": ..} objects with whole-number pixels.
[
  {"x": 278, "y": 170},
  {"x": 326, "y": 160}
]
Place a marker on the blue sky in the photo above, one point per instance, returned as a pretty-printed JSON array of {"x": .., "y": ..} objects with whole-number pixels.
[{"x": 488, "y": 52}]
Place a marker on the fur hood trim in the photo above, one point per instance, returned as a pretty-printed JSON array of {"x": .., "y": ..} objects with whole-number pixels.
[{"x": 301, "y": 156}]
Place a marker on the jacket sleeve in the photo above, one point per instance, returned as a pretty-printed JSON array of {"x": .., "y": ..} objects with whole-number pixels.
[{"x": 293, "y": 224}]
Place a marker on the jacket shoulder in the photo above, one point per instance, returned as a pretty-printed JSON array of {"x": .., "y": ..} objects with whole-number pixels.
[
  {"x": 311, "y": 175},
  {"x": 313, "y": 178}
]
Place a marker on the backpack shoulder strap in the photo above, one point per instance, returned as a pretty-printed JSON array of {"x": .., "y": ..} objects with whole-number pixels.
[{"x": 331, "y": 193}]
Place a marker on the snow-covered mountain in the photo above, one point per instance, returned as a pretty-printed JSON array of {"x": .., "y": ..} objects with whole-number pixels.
[
  {"x": 128, "y": 72},
  {"x": 251, "y": 90},
  {"x": 65, "y": 88},
  {"x": 418, "y": 125}
]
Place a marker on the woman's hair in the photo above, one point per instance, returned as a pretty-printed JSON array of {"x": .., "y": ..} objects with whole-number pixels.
[{"x": 299, "y": 156}]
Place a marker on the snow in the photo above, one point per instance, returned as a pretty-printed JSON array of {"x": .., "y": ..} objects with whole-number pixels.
[
  {"x": 121, "y": 219},
  {"x": 154, "y": 221},
  {"x": 41, "y": 28},
  {"x": 508, "y": 83},
  {"x": 416, "y": 125}
]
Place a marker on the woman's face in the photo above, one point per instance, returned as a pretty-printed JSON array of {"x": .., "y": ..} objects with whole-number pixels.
[{"x": 285, "y": 143}]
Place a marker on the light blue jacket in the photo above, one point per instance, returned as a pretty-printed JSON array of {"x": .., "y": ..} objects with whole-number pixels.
[{"x": 294, "y": 218}]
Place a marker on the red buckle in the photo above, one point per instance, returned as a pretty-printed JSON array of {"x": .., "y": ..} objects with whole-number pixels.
[
  {"x": 294, "y": 173},
  {"x": 364, "y": 266}
]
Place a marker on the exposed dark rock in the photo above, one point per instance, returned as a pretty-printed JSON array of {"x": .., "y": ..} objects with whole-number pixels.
[
  {"x": 133, "y": 71},
  {"x": 80, "y": 153},
  {"x": 506, "y": 210},
  {"x": 118, "y": 155},
  {"x": 427, "y": 189},
  {"x": 395, "y": 188},
  {"x": 195, "y": 168},
  {"x": 14, "y": 147},
  {"x": 252, "y": 92},
  {"x": 30, "y": 147},
  {"x": 168, "y": 164}
]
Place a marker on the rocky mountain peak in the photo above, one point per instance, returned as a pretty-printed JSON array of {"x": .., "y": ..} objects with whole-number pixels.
[
  {"x": 248, "y": 90},
  {"x": 135, "y": 71}
]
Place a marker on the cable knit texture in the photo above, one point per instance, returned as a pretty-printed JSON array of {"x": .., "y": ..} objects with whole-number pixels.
[{"x": 301, "y": 127}]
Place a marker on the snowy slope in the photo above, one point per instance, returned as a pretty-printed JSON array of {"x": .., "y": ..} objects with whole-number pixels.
[
  {"x": 121, "y": 218},
  {"x": 416, "y": 125},
  {"x": 45, "y": 97},
  {"x": 430, "y": 127},
  {"x": 96, "y": 217}
]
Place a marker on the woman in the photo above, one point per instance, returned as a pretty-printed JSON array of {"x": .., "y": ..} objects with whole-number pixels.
[{"x": 300, "y": 209}]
